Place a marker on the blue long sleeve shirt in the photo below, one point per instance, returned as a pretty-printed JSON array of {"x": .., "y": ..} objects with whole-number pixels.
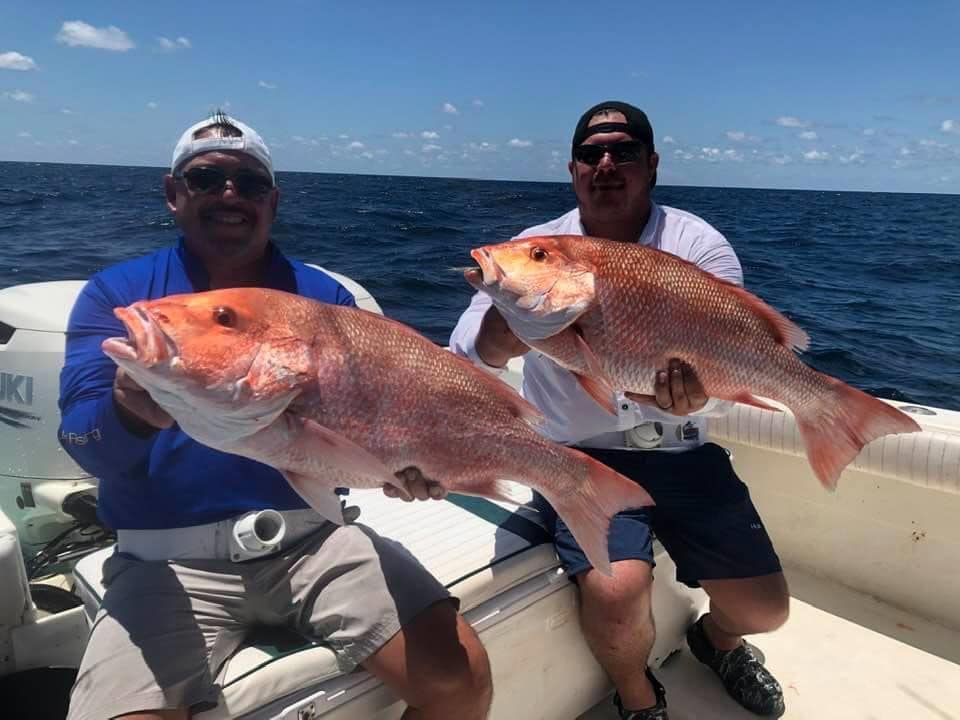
[{"x": 167, "y": 479}]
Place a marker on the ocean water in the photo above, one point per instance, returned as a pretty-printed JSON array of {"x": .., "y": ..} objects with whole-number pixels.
[{"x": 874, "y": 278}]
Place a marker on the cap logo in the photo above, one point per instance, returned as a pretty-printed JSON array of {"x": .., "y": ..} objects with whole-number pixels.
[{"x": 607, "y": 127}]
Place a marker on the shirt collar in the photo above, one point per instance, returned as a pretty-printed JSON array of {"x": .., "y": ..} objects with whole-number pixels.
[
  {"x": 279, "y": 273},
  {"x": 650, "y": 235}
]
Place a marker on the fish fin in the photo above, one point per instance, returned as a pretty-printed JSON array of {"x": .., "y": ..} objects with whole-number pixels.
[
  {"x": 747, "y": 399},
  {"x": 595, "y": 384},
  {"x": 503, "y": 490},
  {"x": 785, "y": 331},
  {"x": 316, "y": 494},
  {"x": 643, "y": 399},
  {"x": 588, "y": 511},
  {"x": 341, "y": 452},
  {"x": 599, "y": 391},
  {"x": 841, "y": 421}
]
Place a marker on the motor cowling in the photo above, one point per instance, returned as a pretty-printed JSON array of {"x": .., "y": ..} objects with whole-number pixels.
[{"x": 33, "y": 324}]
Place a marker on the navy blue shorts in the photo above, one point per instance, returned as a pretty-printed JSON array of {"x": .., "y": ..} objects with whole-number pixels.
[{"x": 703, "y": 516}]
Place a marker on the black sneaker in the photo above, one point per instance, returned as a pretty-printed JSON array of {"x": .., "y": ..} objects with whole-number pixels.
[
  {"x": 657, "y": 712},
  {"x": 742, "y": 673}
]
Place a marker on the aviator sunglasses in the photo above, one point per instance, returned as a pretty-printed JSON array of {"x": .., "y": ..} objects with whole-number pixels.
[
  {"x": 621, "y": 152},
  {"x": 248, "y": 184}
]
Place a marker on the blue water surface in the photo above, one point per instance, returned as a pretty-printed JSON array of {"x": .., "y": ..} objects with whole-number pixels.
[{"x": 873, "y": 277}]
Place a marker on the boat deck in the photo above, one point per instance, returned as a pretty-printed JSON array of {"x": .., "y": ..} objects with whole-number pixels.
[{"x": 842, "y": 655}]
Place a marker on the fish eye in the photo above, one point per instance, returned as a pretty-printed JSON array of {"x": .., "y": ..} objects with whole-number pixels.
[
  {"x": 225, "y": 316},
  {"x": 538, "y": 253}
]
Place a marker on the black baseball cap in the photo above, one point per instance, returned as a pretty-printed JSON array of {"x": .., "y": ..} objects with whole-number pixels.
[{"x": 637, "y": 125}]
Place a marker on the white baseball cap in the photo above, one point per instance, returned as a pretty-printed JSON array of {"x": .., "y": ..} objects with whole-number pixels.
[{"x": 248, "y": 142}]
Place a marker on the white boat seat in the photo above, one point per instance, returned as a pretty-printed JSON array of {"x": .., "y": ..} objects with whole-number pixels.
[
  {"x": 488, "y": 567},
  {"x": 475, "y": 559}
]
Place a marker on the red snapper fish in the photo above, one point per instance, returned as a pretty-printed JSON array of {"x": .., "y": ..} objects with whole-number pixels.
[
  {"x": 614, "y": 313},
  {"x": 334, "y": 396}
]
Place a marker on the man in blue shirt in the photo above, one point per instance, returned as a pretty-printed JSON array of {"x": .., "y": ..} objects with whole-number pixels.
[{"x": 181, "y": 593}]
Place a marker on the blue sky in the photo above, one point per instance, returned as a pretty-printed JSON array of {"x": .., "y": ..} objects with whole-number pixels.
[{"x": 833, "y": 95}]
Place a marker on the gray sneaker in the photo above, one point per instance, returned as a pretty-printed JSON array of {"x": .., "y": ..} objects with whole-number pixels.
[
  {"x": 743, "y": 675},
  {"x": 657, "y": 712}
]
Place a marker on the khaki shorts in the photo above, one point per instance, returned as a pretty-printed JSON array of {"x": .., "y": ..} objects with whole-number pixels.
[{"x": 165, "y": 628}]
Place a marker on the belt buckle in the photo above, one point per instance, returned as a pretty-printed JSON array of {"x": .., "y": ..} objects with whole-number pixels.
[
  {"x": 255, "y": 535},
  {"x": 645, "y": 436}
]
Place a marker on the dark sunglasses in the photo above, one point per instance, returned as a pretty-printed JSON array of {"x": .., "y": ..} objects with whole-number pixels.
[
  {"x": 621, "y": 152},
  {"x": 249, "y": 184}
]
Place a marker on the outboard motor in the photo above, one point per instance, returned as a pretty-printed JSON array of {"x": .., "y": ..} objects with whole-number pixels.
[{"x": 37, "y": 478}]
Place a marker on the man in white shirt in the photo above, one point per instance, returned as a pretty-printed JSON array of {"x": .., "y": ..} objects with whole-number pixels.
[{"x": 703, "y": 516}]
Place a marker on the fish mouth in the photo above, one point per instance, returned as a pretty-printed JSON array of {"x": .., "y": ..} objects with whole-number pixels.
[
  {"x": 489, "y": 272},
  {"x": 146, "y": 342}
]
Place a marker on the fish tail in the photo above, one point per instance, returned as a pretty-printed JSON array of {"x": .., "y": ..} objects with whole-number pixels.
[
  {"x": 840, "y": 422},
  {"x": 588, "y": 510}
]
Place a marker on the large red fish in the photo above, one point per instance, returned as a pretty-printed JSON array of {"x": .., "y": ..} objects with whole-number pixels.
[
  {"x": 335, "y": 396},
  {"x": 614, "y": 313}
]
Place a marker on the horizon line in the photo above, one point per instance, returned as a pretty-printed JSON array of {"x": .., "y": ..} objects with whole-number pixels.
[{"x": 476, "y": 179}]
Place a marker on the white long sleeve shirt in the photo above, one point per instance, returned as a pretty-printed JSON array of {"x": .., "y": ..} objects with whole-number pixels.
[{"x": 573, "y": 417}]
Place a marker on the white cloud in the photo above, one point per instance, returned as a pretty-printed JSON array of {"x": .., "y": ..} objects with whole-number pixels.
[
  {"x": 782, "y": 159},
  {"x": 869, "y": 131},
  {"x": 854, "y": 158},
  {"x": 153, "y": 105},
  {"x": 168, "y": 45},
  {"x": 950, "y": 126},
  {"x": 19, "y": 96},
  {"x": 791, "y": 122},
  {"x": 343, "y": 137},
  {"x": 408, "y": 152},
  {"x": 24, "y": 134},
  {"x": 668, "y": 140},
  {"x": 477, "y": 102},
  {"x": 816, "y": 155},
  {"x": 356, "y": 145},
  {"x": 401, "y": 135},
  {"x": 733, "y": 155},
  {"x": 430, "y": 147},
  {"x": 482, "y": 147},
  {"x": 710, "y": 153},
  {"x": 368, "y": 155},
  {"x": 807, "y": 135},
  {"x": 518, "y": 143},
  {"x": 450, "y": 108},
  {"x": 905, "y": 152},
  {"x": 15, "y": 61},
  {"x": 73, "y": 142},
  {"x": 77, "y": 33},
  {"x": 67, "y": 111},
  {"x": 298, "y": 138},
  {"x": 266, "y": 85},
  {"x": 429, "y": 135},
  {"x": 736, "y": 135}
]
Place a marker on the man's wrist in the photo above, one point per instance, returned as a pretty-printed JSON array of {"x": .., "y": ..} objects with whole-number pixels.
[
  {"x": 132, "y": 423},
  {"x": 490, "y": 354}
]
